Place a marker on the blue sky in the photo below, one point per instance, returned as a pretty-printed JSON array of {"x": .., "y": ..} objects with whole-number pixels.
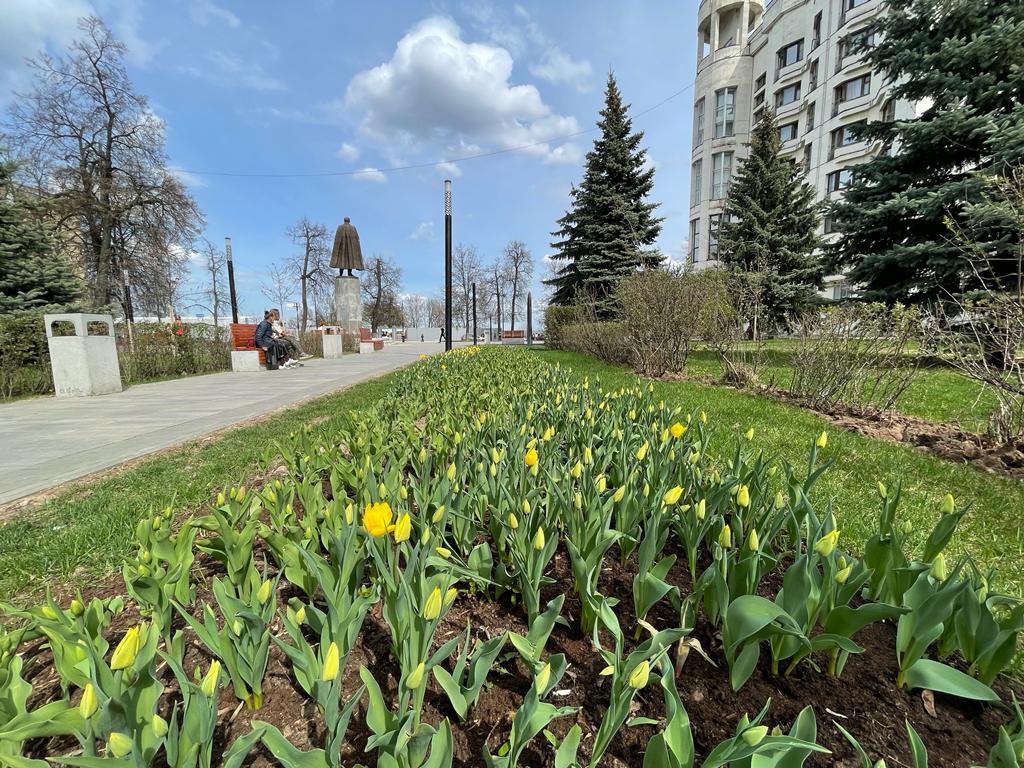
[{"x": 322, "y": 87}]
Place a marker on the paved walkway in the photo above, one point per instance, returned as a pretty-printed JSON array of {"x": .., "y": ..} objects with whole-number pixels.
[{"x": 45, "y": 441}]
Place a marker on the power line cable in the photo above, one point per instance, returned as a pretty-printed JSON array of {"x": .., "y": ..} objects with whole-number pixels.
[{"x": 414, "y": 166}]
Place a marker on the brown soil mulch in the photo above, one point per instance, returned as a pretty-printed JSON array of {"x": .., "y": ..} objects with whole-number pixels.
[{"x": 864, "y": 700}]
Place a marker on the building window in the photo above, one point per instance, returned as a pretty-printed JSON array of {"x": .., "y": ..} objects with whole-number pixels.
[
  {"x": 760, "y": 82},
  {"x": 814, "y": 75},
  {"x": 759, "y": 100},
  {"x": 787, "y": 132},
  {"x": 807, "y": 158},
  {"x": 789, "y": 55},
  {"x": 721, "y": 170},
  {"x": 816, "y": 41},
  {"x": 696, "y": 182},
  {"x": 829, "y": 225},
  {"x": 725, "y": 112},
  {"x": 714, "y": 225},
  {"x": 787, "y": 95},
  {"x": 846, "y": 135},
  {"x": 849, "y": 5},
  {"x": 810, "y": 115},
  {"x": 839, "y": 180},
  {"x": 889, "y": 111},
  {"x": 698, "y": 123},
  {"x": 853, "y": 89},
  {"x": 694, "y": 241}
]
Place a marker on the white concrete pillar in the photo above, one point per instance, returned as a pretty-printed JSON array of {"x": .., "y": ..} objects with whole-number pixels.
[
  {"x": 85, "y": 363},
  {"x": 715, "y": 23},
  {"x": 745, "y": 22}
]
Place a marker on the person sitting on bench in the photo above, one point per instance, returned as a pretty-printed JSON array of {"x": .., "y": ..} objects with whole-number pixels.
[
  {"x": 281, "y": 334},
  {"x": 277, "y": 353}
]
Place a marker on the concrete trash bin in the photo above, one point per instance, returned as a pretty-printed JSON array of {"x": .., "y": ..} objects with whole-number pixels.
[{"x": 84, "y": 364}]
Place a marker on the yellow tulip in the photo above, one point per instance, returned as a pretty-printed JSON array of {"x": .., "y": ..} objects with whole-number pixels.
[
  {"x": 415, "y": 679},
  {"x": 725, "y": 537},
  {"x": 445, "y": 553},
  {"x": 780, "y": 500},
  {"x": 677, "y": 430},
  {"x": 495, "y": 455},
  {"x": 743, "y": 496},
  {"x": 640, "y": 674},
  {"x": 89, "y": 704},
  {"x": 619, "y": 493},
  {"x": 422, "y": 456},
  {"x": 119, "y": 744},
  {"x": 438, "y": 514},
  {"x": 450, "y": 595},
  {"x": 827, "y": 543},
  {"x": 403, "y": 528},
  {"x": 641, "y": 452},
  {"x": 602, "y": 484},
  {"x": 159, "y": 726},
  {"x": 938, "y": 569},
  {"x": 531, "y": 458},
  {"x": 382, "y": 490},
  {"x": 432, "y": 608},
  {"x": 609, "y": 670},
  {"x": 300, "y": 615},
  {"x": 843, "y": 574},
  {"x": 349, "y": 513},
  {"x": 672, "y": 496},
  {"x": 526, "y": 506},
  {"x": 425, "y": 538},
  {"x": 513, "y": 521},
  {"x": 948, "y": 504},
  {"x": 701, "y": 509},
  {"x": 752, "y": 540},
  {"x": 703, "y": 418},
  {"x": 127, "y": 649},
  {"x": 538, "y": 539},
  {"x": 332, "y": 663},
  {"x": 377, "y": 519},
  {"x": 209, "y": 684},
  {"x": 577, "y": 500},
  {"x": 588, "y": 455},
  {"x": 451, "y": 472},
  {"x": 882, "y": 490},
  {"x": 576, "y": 471},
  {"x": 264, "y": 592},
  {"x": 822, "y": 440},
  {"x": 749, "y": 434}
]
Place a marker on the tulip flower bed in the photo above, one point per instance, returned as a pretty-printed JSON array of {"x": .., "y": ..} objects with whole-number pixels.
[{"x": 495, "y": 567}]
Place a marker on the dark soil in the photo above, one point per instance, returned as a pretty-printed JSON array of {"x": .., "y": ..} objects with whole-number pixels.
[{"x": 864, "y": 700}]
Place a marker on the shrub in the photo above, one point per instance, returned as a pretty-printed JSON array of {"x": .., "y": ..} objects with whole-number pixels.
[
  {"x": 555, "y": 320},
  {"x": 660, "y": 310},
  {"x": 23, "y": 339},
  {"x": 161, "y": 351},
  {"x": 604, "y": 339}
]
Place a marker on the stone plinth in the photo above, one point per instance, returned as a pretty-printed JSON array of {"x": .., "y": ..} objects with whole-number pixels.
[
  {"x": 84, "y": 364},
  {"x": 244, "y": 360},
  {"x": 347, "y": 304},
  {"x": 333, "y": 345}
]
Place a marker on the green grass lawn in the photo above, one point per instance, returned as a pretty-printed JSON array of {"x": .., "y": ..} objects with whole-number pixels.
[
  {"x": 991, "y": 531},
  {"x": 89, "y": 529},
  {"x": 938, "y": 394}
]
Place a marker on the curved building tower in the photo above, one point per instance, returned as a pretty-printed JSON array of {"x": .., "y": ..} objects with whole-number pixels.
[{"x": 795, "y": 57}]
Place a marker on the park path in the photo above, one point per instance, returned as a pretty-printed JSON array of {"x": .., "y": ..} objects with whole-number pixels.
[{"x": 45, "y": 441}]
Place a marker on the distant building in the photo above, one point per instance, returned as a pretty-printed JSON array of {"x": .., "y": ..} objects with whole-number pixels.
[{"x": 793, "y": 56}]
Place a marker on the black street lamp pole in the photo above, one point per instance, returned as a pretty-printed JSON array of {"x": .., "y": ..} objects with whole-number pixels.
[
  {"x": 474, "y": 314},
  {"x": 447, "y": 265},
  {"x": 231, "y": 279},
  {"x": 529, "y": 319}
]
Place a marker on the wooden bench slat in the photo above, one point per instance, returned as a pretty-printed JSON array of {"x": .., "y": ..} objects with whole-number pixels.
[{"x": 243, "y": 337}]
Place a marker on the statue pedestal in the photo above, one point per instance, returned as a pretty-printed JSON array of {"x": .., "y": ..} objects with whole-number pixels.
[
  {"x": 348, "y": 305},
  {"x": 334, "y": 345}
]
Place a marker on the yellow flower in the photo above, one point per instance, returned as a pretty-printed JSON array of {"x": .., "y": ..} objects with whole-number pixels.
[
  {"x": 451, "y": 472},
  {"x": 531, "y": 458},
  {"x": 548, "y": 434},
  {"x": 538, "y": 539},
  {"x": 827, "y": 543},
  {"x": 780, "y": 500},
  {"x": 543, "y": 678},
  {"x": 432, "y": 608},
  {"x": 601, "y": 483},
  {"x": 938, "y": 569},
  {"x": 403, "y": 492},
  {"x": 209, "y": 684},
  {"x": 349, "y": 513},
  {"x": 445, "y": 553},
  {"x": 403, "y": 528},
  {"x": 948, "y": 504},
  {"x": 300, "y": 615},
  {"x": 495, "y": 455},
  {"x": 843, "y": 574},
  {"x": 609, "y": 670},
  {"x": 332, "y": 663},
  {"x": 513, "y": 521},
  {"x": 422, "y": 456},
  {"x": 725, "y": 537},
  {"x": 754, "y": 736},
  {"x": 619, "y": 493},
  {"x": 159, "y": 726},
  {"x": 743, "y": 496},
  {"x": 576, "y": 471},
  {"x": 377, "y": 519},
  {"x": 752, "y": 540},
  {"x": 640, "y": 674},
  {"x": 119, "y": 744},
  {"x": 526, "y": 506},
  {"x": 450, "y": 595},
  {"x": 822, "y": 440},
  {"x": 703, "y": 418},
  {"x": 749, "y": 434},
  {"x": 415, "y": 679},
  {"x": 641, "y": 452},
  {"x": 677, "y": 430},
  {"x": 438, "y": 514},
  {"x": 672, "y": 496},
  {"x": 127, "y": 649},
  {"x": 701, "y": 509},
  {"x": 882, "y": 490},
  {"x": 89, "y": 704}
]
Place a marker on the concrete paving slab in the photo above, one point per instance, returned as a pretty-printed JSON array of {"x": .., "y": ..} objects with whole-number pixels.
[{"x": 48, "y": 441}]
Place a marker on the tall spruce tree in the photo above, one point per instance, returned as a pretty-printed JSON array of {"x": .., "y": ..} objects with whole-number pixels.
[
  {"x": 32, "y": 275},
  {"x": 961, "y": 59},
  {"x": 610, "y": 226},
  {"x": 769, "y": 232}
]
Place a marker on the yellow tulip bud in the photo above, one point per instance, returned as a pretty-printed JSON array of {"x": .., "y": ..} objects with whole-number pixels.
[
  {"x": 780, "y": 500},
  {"x": 264, "y": 592},
  {"x": 445, "y": 553},
  {"x": 576, "y": 471},
  {"x": 752, "y": 540},
  {"x": 432, "y": 608},
  {"x": 332, "y": 663},
  {"x": 640, "y": 674},
  {"x": 754, "y": 736},
  {"x": 588, "y": 455},
  {"x": 513, "y": 521},
  {"x": 577, "y": 500},
  {"x": 841, "y": 562},
  {"x": 822, "y": 440},
  {"x": 641, "y": 452},
  {"x": 601, "y": 483},
  {"x": 743, "y": 496},
  {"x": 240, "y": 495},
  {"x": 159, "y": 726},
  {"x": 425, "y": 538},
  {"x": 119, "y": 744},
  {"x": 609, "y": 670},
  {"x": 938, "y": 569},
  {"x": 438, "y": 514},
  {"x": 422, "y": 456},
  {"x": 209, "y": 684},
  {"x": 220, "y": 499},
  {"x": 882, "y": 490},
  {"x": 457, "y": 438},
  {"x": 647, "y": 490},
  {"x": 843, "y": 574},
  {"x": 672, "y": 495},
  {"x": 701, "y": 509},
  {"x": 538, "y": 539},
  {"x": 531, "y": 458},
  {"x": 90, "y": 703},
  {"x": 827, "y": 543},
  {"x": 749, "y": 434},
  {"x": 725, "y": 537},
  {"x": 403, "y": 492},
  {"x": 300, "y": 615},
  {"x": 415, "y": 679},
  {"x": 236, "y": 627},
  {"x": 948, "y": 504},
  {"x": 127, "y": 649},
  {"x": 619, "y": 493},
  {"x": 543, "y": 678},
  {"x": 526, "y": 506},
  {"x": 703, "y": 418},
  {"x": 77, "y": 607},
  {"x": 403, "y": 528},
  {"x": 450, "y": 595}
]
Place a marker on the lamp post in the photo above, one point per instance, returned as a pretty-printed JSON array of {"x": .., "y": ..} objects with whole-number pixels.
[
  {"x": 231, "y": 279},
  {"x": 474, "y": 314},
  {"x": 529, "y": 319},
  {"x": 447, "y": 265}
]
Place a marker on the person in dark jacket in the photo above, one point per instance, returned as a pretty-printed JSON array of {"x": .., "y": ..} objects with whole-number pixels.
[{"x": 277, "y": 354}]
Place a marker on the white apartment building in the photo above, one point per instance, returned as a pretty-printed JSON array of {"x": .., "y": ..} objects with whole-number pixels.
[{"x": 795, "y": 57}]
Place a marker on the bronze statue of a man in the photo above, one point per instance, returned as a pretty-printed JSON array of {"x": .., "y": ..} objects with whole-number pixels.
[{"x": 346, "y": 253}]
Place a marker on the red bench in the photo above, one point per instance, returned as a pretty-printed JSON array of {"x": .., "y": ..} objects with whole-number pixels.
[
  {"x": 366, "y": 337},
  {"x": 243, "y": 339}
]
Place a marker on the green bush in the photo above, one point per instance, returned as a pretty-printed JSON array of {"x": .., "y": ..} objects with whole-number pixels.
[
  {"x": 604, "y": 339},
  {"x": 555, "y": 321},
  {"x": 23, "y": 339},
  {"x": 161, "y": 351}
]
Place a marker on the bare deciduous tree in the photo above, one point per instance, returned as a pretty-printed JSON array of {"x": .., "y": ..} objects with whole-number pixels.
[
  {"x": 519, "y": 271},
  {"x": 466, "y": 270},
  {"x": 311, "y": 265},
  {"x": 279, "y": 286},
  {"x": 435, "y": 312},
  {"x": 212, "y": 296},
  {"x": 414, "y": 310},
  {"x": 95, "y": 147},
  {"x": 380, "y": 292}
]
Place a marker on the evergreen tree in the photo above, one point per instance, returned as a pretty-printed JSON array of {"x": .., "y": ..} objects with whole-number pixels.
[
  {"x": 32, "y": 276},
  {"x": 769, "y": 229},
  {"x": 610, "y": 226},
  {"x": 962, "y": 60}
]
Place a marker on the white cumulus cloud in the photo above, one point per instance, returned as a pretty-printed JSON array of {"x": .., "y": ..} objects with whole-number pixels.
[
  {"x": 424, "y": 231},
  {"x": 28, "y": 27},
  {"x": 205, "y": 11},
  {"x": 370, "y": 174},
  {"x": 440, "y": 89},
  {"x": 348, "y": 152},
  {"x": 556, "y": 66}
]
